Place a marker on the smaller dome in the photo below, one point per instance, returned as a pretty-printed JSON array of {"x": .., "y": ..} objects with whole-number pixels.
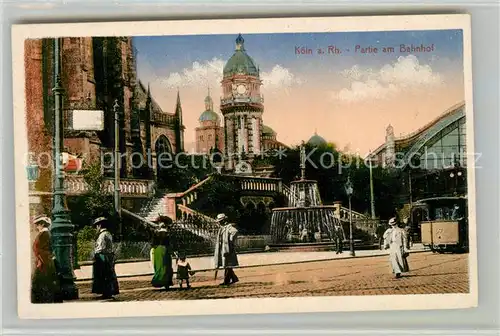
[
  {"x": 316, "y": 140},
  {"x": 267, "y": 130},
  {"x": 209, "y": 116}
]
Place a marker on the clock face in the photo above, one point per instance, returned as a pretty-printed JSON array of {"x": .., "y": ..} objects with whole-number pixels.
[{"x": 241, "y": 89}]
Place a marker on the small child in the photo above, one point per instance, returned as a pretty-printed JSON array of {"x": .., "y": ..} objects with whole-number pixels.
[{"x": 183, "y": 270}]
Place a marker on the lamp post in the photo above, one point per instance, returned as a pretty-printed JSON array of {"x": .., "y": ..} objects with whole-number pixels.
[
  {"x": 117, "y": 168},
  {"x": 349, "y": 191},
  {"x": 61, "y": 228},
  {"x": 372, "y": 198},
  {"x": 456, "y": 174}
]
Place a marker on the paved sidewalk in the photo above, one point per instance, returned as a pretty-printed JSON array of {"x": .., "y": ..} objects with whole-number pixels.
[
  {"x": 429, "y": 274},
  {"x": 245, "y": 260}
]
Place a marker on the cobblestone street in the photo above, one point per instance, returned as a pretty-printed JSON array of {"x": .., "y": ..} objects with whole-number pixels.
[{"x": 429, "y": 273}]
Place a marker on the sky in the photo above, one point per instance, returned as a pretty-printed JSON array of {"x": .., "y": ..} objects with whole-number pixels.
[{"x": 348, "y": 98}]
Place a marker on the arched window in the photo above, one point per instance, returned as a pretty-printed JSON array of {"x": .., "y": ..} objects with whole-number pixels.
[{"x": 162, "y": 147}]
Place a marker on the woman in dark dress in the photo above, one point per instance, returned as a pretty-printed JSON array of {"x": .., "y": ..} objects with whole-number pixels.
[
  {"x": 45, "y": 287},
  {"x": 104, "y": 276}
]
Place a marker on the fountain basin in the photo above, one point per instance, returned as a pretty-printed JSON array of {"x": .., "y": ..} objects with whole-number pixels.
[{"x": 312, "y": 224}]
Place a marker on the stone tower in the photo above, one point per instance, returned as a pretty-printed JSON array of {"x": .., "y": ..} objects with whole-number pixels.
[
  {"x": 242, "y": 106},
  {"x": 209, "y": 135}
]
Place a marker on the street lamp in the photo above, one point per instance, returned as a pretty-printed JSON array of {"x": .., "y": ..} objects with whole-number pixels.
[
  {"x": 117, "y": 168},
  {"x": 61, "y": 228},
  {"x": 349, "y": 191},
  {"x": 372, "y": 198}
]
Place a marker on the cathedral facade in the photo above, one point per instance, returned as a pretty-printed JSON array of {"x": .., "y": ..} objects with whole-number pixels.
[{"x": 98, "y": 73}]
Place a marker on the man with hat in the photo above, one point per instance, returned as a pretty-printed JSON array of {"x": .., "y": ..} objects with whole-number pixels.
[
  {"x": 395, "y": 240},
  {"x": 225, "y": 249},
  {"x": 104, "y": 279}
]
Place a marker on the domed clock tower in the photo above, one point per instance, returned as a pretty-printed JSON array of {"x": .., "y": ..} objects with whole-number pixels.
[{"x": 241, "y": 105}]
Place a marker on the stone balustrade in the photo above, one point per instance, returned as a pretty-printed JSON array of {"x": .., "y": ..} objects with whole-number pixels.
[
  {"x": 238, "y": 100},
  {"x": 76, "y": 185},
  {"x": 259, "y": 183},
  {"x": 344, "y": 214}
]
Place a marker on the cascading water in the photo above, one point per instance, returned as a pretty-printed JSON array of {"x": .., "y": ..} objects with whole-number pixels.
[{"x": 306, "y": 219}]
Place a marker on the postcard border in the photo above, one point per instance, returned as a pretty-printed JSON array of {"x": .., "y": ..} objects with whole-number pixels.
[{"x": 249, "y": 306}]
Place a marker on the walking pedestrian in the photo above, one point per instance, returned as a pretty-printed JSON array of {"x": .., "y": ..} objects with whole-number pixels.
[
  {"x": 379, "y": 235},
  {"x": 183, "y": 270},
  {"x": 104, "y": 279},
  {"x": 339, "y": 237},
  {"x": 225, "y": 249},
  {"x": 45, "y": 285},
  {"x": 396, "y": 241},
  {"x": 161, "y": 260}
]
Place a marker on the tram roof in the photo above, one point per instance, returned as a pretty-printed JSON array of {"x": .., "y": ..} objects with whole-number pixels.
[{"x": 443, "y": 198}]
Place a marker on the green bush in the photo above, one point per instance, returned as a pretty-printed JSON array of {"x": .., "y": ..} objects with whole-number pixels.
[{"x": 85, "y": 241}]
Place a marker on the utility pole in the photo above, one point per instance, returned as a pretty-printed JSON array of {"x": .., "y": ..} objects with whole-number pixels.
[
  {"x": 61, "y": 228},
  {"x": 372, "y": 198},
  {"x": 349, "y": 190},
  {"x": 117, "y": 168}
]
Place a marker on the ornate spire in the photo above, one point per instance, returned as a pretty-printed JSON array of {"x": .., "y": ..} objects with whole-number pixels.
[
  {"x": 178, "y": 107},
  {"x": 302, "y": 161},
  {"x": 240, "y": 42},
  {"x": 180, "y": 127},
  {"x": 209, "y": 104}
]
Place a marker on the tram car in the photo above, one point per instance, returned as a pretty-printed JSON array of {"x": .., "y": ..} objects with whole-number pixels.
[{"x": 441, "y": 223}]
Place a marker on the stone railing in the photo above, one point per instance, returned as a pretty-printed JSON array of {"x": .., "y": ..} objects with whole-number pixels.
[
  {"x": 189, "y": 196},
  {"x": 197, "y": 223},
  {"x": 344, "y": 214},
  {"x": 164, "y": 118},
  {"x": 237, "y": 100},
  {"x": 259, "y": 183},
  {"x": 76, "y": 185}
]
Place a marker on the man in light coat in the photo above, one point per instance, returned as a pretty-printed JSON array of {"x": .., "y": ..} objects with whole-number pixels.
[
  {"x": 396, "y": 241},
  {"x": 225, "y": 250}
]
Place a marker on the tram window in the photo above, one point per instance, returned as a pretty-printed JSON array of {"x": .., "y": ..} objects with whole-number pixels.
[
  {"x": 439, "y": 213},
  {"x": 443, "y": 213}
]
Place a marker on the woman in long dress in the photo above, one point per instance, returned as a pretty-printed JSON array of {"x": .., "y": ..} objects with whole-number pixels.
[
  {"x": 396, "y": 241},
  {"x": 104, "y": 277},
  {"x": 161, "y": 261},
  {"x": 45, "y": 287}
]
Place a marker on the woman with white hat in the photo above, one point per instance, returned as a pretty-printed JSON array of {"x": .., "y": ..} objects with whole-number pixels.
[
  {"x": 45, "y": 287},
  {"x": 395, "y": 240},
  {"x": 104, "y": 279}
]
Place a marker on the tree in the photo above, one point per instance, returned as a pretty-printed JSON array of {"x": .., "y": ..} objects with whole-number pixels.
[
  {"x": 220, "y": 195},
  {"x": 96, "y": 202},
  {"x": 184, "y": 171},
  {"x": 331, "y": 168}
]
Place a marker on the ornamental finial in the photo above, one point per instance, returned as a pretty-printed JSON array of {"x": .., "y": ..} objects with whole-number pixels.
[{"x": 240, "y": 41}]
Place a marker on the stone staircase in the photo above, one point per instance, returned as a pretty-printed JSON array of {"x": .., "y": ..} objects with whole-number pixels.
[
  {"x": 184, "y": 218},
  {"x": 153, "y": 209}
]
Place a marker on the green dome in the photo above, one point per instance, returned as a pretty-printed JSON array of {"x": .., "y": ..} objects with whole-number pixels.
[
  {"x": 240, "y": 62},
  {"x": 316, "y": 140},
  {"x": 267, "y": 130},
  {"x": 209, "y": 116}
]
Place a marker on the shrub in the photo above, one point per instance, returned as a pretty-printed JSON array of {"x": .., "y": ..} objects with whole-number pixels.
[{"x": 85, "y": 243}]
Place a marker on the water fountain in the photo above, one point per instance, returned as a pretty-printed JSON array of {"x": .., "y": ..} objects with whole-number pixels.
[{"x": 306, "y": 222}]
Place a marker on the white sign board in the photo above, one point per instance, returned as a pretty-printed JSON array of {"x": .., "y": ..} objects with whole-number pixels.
[{"x": 87, "y": 120}]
